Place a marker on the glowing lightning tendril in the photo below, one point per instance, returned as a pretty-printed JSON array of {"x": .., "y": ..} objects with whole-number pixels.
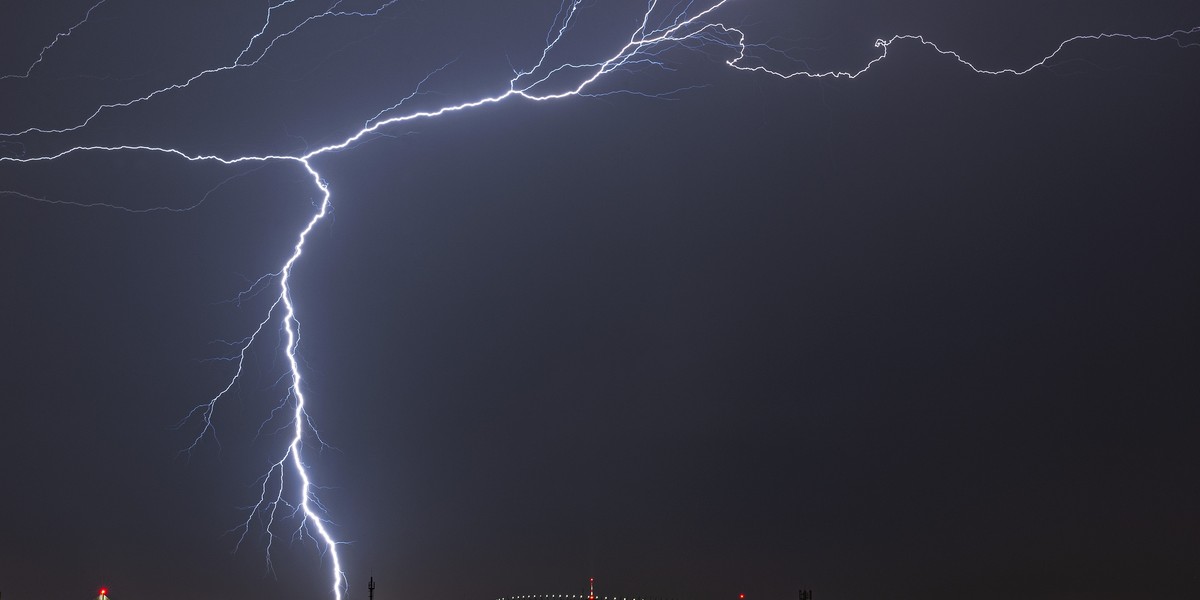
[{"x": 684, "y": 25}]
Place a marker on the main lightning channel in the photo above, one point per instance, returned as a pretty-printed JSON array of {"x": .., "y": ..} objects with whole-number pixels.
[{"x": 300, "y": 417}]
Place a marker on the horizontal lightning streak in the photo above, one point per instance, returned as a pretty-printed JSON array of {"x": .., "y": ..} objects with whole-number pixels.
[{"x": 884, "y": 45}]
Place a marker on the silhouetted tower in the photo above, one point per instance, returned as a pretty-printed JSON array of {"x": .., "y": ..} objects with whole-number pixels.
[
  {"x": 591, "y": 588},
  {"x": 805, "y": 594},
  {"x": 371, "y": 589}
]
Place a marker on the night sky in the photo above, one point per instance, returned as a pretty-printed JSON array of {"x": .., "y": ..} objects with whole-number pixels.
[{"x": 921, "y": 334}]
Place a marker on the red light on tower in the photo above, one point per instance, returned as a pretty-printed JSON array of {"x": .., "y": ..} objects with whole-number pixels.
[{"x": 741, "y": 597}]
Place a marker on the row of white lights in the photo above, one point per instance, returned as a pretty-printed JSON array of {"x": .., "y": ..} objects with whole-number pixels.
[{"x": 565, "y": 596}]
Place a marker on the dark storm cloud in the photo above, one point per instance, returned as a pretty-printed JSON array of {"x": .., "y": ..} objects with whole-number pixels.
[{"x": 921, "y": 334}]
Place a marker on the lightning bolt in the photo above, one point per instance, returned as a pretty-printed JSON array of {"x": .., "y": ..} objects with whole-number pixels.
[
  {"x": 656, "y": 31},
  {"x": 54, "y": 42}
]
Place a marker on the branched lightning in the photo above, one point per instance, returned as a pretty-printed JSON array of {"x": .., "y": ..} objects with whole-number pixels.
[
  {"x": 242, "y": 61},
  {"x": 658, "y": 30},
  {"x": 54, "y": 42}
]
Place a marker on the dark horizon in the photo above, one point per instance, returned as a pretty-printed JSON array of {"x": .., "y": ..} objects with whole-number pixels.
[{"x": 920, "y": 334}]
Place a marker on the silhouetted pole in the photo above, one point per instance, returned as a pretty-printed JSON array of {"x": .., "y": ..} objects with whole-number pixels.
[{"x": 371, "y": 589}]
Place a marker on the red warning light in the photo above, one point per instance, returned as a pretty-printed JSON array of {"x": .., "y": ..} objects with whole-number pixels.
[
  {"x": 741, "y": 597},
  {"x": 103, "y": 591}
]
